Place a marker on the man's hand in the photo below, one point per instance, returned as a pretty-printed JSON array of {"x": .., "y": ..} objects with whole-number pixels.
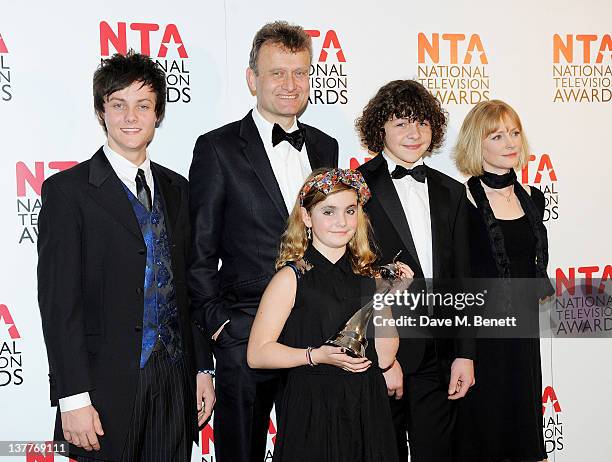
[
  {"x": 394, "y": 378},
  {"x": 205, "y": 397},
  {"x": 462, "y": 378},
  {"x": 82, "y": 427}
]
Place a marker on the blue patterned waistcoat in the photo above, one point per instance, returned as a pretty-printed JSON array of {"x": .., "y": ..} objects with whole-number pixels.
[{"x": 160, "y": 318}]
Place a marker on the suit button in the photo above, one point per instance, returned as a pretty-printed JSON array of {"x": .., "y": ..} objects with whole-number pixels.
[
  {"x": 138, "y": 328},
  {"x": 141, "y": 251},
  {"x": 139, "y": 291}
]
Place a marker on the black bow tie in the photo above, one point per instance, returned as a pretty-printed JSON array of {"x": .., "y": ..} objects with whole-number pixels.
[
  {"x": 295, "y": 139},
  {"x": 419, "y": 173}
]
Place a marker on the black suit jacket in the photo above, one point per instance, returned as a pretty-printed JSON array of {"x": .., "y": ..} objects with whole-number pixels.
[
  {"x": 238, "y": 216},
  {"x": 91, "y": 265},
  {"x": 450, "y": 252}
]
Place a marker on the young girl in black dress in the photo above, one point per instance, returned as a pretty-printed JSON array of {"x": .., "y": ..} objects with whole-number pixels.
[{"x": 334, "y": 406}]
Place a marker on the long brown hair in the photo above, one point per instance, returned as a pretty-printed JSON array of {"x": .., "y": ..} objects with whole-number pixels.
[{"x": 294, "y": 241}]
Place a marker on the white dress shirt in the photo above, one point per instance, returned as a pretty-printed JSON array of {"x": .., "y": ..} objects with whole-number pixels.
[
  {"x": 414, "y": 197},
  {"x": 290, "y": 166},
  {"x": 126, "y": 171}
]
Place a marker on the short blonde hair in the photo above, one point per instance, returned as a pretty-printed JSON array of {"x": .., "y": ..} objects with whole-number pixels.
[{"x": 481, "y": 121}]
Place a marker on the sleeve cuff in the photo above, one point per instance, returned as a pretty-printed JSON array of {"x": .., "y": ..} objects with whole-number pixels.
[
  {"x": 70, "y": 403},
  {"x": 207, "y": 371}
]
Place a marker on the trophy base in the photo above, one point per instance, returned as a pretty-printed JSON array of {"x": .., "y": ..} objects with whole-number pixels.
[{"x": 353, "y": 347}]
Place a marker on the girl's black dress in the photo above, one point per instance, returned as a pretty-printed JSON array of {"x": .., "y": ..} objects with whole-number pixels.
[
  {"x": 500, "y": 419},
  {"x": 328, "y": 414}
]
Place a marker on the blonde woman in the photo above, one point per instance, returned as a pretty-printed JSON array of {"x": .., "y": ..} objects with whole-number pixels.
[
  {"x": 334, "y": 406},
  {"x": 501, "y": 418}
]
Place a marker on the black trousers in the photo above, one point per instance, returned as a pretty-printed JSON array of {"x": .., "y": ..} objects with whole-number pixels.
[
  {"x": 244, "y": 400},
  {"x": 426, "y": 413},
  {"x": 159, "y": 428}
]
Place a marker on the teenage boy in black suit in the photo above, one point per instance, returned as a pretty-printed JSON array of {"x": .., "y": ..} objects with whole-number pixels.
[
  {"x": 421, "y": 212},
  {"x": 113, "y": 246}
]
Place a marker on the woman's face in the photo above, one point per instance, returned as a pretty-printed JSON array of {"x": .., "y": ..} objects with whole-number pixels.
[
  {"x": 501, "y": 149},
  {"x": 333, "y": 221},
  {"x": 406, "y": 141}
]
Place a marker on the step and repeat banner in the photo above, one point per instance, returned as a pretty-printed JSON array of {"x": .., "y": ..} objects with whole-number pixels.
[{"x": 552, "y": 61}]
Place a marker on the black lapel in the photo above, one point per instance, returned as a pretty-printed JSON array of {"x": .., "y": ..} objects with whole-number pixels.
[
  {"x": 170, "y": 196},
  {"x": 108, "y": 192},
  {"x": 384, "y": 192},
  {"x": 312, "y": 148},
  {"x": 439, "y": 199},
  {"x": 255, "y": 152}
]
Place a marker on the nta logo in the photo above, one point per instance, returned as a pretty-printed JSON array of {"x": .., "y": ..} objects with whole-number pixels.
[
  {"x": 329, "y": 42},
  {"x": 431, "y": 47},
  {"x": 3, "y": 48},
  {"x": 552, "y": 422},
  {"x": 328, "y": 76},
  {"x": 5, "y": 316},
  {"x": 549, "y": 395},
  {"x": 565, "y": 47},
  {"x": 453, "y": 67},
  {"x": 119, "y": 39}
]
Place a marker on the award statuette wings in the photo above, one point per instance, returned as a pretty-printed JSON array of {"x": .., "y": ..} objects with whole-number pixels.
[{"x": 352, "y": 337}]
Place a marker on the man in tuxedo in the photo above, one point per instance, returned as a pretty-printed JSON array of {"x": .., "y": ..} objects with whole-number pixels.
[
  {"x": 244, "y": 180},
  {"x": 114, "y": 239},
  {"x": 421, "y": 212}
]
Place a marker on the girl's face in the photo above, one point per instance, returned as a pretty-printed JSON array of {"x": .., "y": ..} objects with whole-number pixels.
[
  {"x": 333, "y": 221},
  {"x": 500, "y": 150}
]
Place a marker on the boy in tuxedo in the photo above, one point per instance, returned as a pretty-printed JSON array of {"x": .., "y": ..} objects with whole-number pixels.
[
  {"x": 113, "y": 246},
  {"x": 421, "y": 212}
]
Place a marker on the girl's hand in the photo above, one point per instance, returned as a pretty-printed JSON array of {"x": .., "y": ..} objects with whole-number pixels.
[
  {"x": 335, "y": 356},
  {"x": 404, "y": 270}
]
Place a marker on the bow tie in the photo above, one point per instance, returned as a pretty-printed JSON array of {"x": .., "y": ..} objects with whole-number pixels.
[
  {"x": 419, "y": 173},
  {"x": 295, "y": 138}
]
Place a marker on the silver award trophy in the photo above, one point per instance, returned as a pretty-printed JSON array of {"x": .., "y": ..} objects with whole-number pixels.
[{"x": 352, "y": 337}]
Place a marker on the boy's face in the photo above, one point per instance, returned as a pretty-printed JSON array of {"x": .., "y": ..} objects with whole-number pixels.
[
  {"x": 406, "y": 141},
  {"x": 129, "y": 116}
]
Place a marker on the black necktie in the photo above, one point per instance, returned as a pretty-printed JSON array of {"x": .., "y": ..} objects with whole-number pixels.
[
  {"x": 142, "y": 190},
  {"x": 419, "y": 173},
  {"x": 295, "y": 139}
]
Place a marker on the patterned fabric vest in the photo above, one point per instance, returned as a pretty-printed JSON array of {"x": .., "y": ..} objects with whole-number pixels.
[{"x": 160, "y": 318}]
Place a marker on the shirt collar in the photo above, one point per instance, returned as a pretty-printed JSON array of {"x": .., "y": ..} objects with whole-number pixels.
[
  {"x": 265, "y": 128},
  {"x": 391, "y": 164},
  {"x": 123, "y": 167},
  {"x": 318, "y": 260}
]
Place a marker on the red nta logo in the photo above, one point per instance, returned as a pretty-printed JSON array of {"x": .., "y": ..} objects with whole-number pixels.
[
  {"x": 550, "y": 395},
  {"x": 5, "y": 315},
  {"x": 118, "y": 38},
  {"x": 36, "y": 178},
  {"x": 3, "y": 48},
  {"x": 329, "y": 41}
]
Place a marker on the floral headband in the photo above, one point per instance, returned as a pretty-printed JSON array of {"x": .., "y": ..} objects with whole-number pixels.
[{"x": 326, "y": 181}]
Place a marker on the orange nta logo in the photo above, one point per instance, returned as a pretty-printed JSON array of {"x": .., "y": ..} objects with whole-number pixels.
[
  {"x": 453, "y": 67},
  {"x": 582, "y": 68},
  {"x": 5, "y": 316},
  {"x": 454, "y": 45},
  {"x": 584, "y": 48}
]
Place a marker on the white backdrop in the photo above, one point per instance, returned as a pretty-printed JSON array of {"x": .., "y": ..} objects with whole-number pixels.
[{"x": 49, "y": 50}]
